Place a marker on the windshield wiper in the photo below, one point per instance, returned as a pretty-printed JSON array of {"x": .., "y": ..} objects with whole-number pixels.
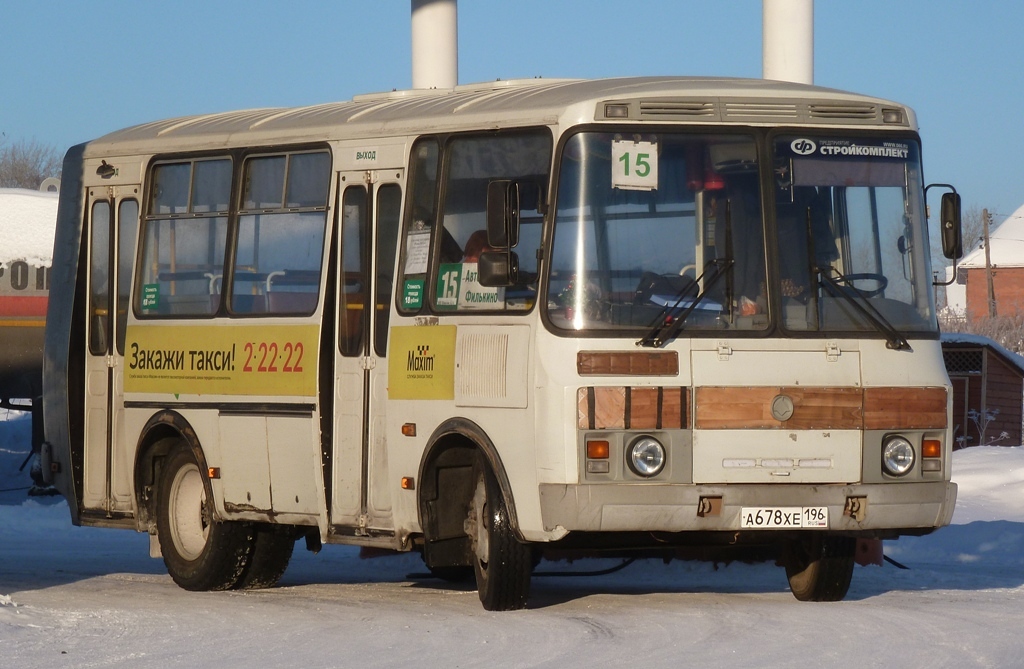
[
  {"x": 860, "y": 302},
  {"x": 665, "y": 327}
]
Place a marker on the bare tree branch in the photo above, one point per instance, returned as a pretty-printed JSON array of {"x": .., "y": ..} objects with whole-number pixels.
[{"x": 25, "y": 164}]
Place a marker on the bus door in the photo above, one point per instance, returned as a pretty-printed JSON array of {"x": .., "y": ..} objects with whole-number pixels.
[
  {"x": 112, "y": 217},
  {"x": 370, "y": 207}
]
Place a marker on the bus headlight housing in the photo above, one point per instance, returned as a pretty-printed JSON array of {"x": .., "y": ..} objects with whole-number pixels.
[
  {"x": 646, "y": 456},
  {"x": 897, "y": 456}
]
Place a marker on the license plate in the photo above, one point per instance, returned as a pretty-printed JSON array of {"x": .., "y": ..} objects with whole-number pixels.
[{"x": 784, "y": 517}]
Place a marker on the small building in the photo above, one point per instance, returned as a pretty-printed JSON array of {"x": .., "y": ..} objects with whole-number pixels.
[
  {"x": 988, "y": 390},
  {"x": 969, "y": 294}
]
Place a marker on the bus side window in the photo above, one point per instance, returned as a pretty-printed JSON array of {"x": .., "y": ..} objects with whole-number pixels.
[
  {"x": 128, "y": 223},
  {"x": 420, "y": 216},
  {"x": 389, "y": 204},
  {"x": 184, "y": 237},
  {"x": 352, "y": 294},
  {"x": 472, "y": 162},
  {"x": 281, "y": 231},
  {"x": 99, "y": 284}
]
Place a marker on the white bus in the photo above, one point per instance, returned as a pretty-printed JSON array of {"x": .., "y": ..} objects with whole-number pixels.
[{"x": 650, "y": 314}]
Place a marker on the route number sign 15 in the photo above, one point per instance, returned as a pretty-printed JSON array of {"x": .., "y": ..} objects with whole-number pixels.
[{"x": 634, "y": 165}]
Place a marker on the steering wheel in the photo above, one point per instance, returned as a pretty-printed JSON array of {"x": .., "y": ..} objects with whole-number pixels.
[{"x": 848, "y": 279}]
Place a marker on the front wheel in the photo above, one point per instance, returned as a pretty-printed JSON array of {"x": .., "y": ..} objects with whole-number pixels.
[
  {"x": 820, "y": 567},
  {"x": 502, "y": 564},
  {"x": 201, "y": 553}
]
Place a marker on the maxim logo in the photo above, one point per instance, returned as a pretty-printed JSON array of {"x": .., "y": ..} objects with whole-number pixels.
[{"x": 420, "y": 360}]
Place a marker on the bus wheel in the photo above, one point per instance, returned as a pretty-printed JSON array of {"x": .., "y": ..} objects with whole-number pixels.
[
  {"x": 270, "y": 556},
  {"x": 820, "y": 567},
  {"x": 502, "y": 564},
  {"x": 200, "y": 552}
]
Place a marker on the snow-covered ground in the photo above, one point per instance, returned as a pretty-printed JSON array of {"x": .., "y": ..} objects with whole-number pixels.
[
  {"x": 28, "y": 219},
  {"x": 87, "y": 597}
]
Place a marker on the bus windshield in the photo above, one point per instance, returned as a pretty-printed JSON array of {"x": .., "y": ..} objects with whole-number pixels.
[
  {"x": 665, "y": 232},
  {"x": 657, "y": 226},
  {"x": 860, "y": 201}
]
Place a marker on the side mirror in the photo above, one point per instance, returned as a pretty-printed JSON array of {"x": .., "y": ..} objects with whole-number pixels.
[
  {"x": 497, "y": 269},
  {"x": 503, "y": 213},
  {"x": 952, "y": 237}
]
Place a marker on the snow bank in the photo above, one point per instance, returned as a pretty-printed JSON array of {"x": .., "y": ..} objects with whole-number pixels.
[
  {"x": 991, "y": 481},
  {"x": 28, "y": 220}
]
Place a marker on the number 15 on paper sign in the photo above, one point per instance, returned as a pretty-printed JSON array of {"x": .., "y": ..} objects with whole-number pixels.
[{"x": 634, "y": 165}]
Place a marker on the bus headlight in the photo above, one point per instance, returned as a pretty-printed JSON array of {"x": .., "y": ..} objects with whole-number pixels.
[
  {"x": 646, "y": 456},
  {"x": 897, "y": 456}
]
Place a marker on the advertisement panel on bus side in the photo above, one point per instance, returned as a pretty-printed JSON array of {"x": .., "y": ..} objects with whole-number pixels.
[{"x": 237, "y": 360}]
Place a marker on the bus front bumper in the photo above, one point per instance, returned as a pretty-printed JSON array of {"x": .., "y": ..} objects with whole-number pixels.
[{"x": 888, "y": 509}]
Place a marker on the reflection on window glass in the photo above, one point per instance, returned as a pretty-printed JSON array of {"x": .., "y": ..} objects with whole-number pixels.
[
  {"x": 280, "y": 243},
  {"x": 860, "y": 202},
  {"x": 649, "y": 227}
]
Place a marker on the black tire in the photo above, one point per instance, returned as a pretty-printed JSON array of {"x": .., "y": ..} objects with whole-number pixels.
[
  {"x": 270, "y": 557},
  {"x": 200, "y": 552},
  {"x": 820, "y": 567},
  {"x": 502, "y": 564}
]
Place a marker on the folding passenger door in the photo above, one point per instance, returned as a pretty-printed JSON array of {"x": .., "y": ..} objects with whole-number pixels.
[
  {"x": 112, "y": 220},
  {"x": 368, "y": 231}
]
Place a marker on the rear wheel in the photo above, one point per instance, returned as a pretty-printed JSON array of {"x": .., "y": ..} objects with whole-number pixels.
[
  {"x": 820, "y": 567},
  {"x": 201, "y": 553},
  {"x": 502, "y": 564},
  {"x": 270, "y": 556}
]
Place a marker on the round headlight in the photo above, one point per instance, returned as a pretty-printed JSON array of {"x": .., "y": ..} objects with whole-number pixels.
[
  {"x": 897, "y": 456},
  {"x": 646, "y": 456}
]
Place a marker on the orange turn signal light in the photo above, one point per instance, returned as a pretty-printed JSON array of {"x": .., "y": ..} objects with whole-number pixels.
[
  {"x": 931, "y": 448},
  {"x": 409, "y": 429},
  {"x": 213, "y": 473},
  {"x": 598, "y": 450},
  {"x": 408, "y": 483}
]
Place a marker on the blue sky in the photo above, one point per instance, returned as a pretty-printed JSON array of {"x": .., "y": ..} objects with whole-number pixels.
[{"x": 72, "y": 71}]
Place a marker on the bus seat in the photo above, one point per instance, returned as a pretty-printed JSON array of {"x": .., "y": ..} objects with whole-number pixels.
[
  {"x": 248, "y": 304},
  {"x": 287, "y": 302}
]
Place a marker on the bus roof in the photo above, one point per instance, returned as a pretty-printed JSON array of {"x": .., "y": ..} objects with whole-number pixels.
[{"x": 515, "y": 103}]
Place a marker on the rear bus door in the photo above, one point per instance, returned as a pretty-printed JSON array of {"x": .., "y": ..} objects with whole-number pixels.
[
  {"x": 369, "y": 219},
  {"x": 112, "y": 216}
]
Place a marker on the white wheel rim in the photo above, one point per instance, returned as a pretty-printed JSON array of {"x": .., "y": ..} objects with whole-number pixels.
[
  {"x": 478, "y": 523},
  {"x": 190, "y": 528}
]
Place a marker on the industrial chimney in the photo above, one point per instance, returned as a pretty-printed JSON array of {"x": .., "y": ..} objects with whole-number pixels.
[
  {"x": 787, "y": 28},
  {"x": 435, "y": 44}
]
